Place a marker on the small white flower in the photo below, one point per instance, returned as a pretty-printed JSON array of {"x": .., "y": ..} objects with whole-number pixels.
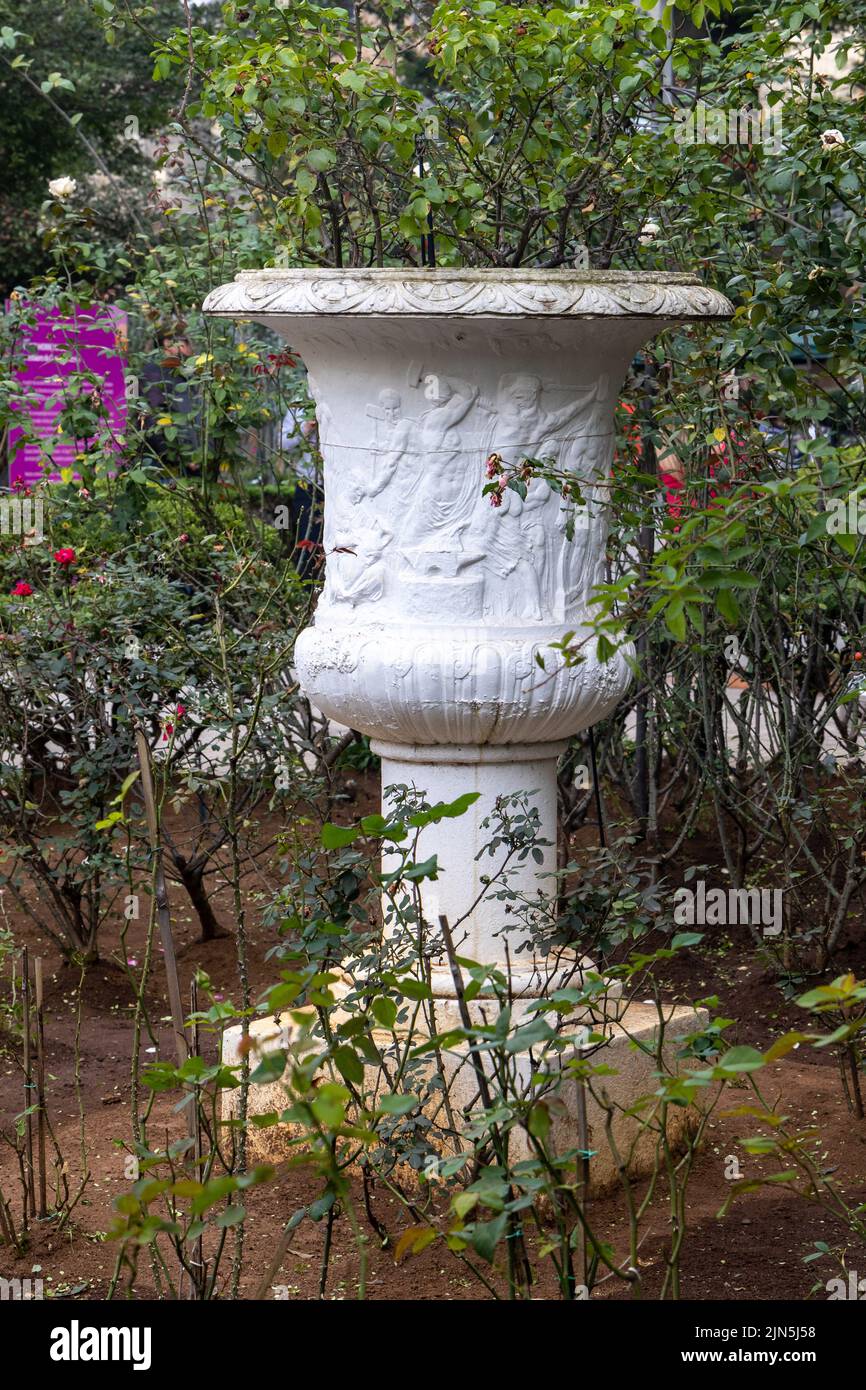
[
  {"x": 648, "y": 233},
  {"x": 832, "y": 140},
  {"x": 62, "y": 188},
  {"x": 161, "y": 177}
]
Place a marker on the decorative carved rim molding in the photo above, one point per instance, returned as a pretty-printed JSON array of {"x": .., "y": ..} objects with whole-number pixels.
[{"x": 395, "y": 293}]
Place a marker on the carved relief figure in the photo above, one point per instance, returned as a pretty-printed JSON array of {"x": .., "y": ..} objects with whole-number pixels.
[
  {"x": 446, "y": 483},
  {"x": 433, "y": 472},
  {"x": 522, "y": 427},
  {"x": 356, "y": 566},
  {"x": 427, "y": 473},
  {"x": 525, "y": 538},
  {"x": 324, "y": 414},
  {"x": 391, "y": 437},
  {"x": 583, "y": 559},
  {"x": 545, "y": 520}
]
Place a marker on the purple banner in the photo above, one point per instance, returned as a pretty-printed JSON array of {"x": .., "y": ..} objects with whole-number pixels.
[{"x": 56, "y": 347}]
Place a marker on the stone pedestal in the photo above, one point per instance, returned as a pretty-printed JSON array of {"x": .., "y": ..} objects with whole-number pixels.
[
  {"x": 433, "y": 631},
  {"x": 628, "y": 1087},
  {"x": 470, "y": 876}
]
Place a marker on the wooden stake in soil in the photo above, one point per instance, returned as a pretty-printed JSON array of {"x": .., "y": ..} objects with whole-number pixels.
[
  {"x": 29, "y": 1180},
  {"x": 7, "y": 1225},
  {"x": 582, "y": 1173},
  {"x": 163, "y": 915},
  {"x": 40, "y": 1090},
  {"x": 199, "y": 1280}
]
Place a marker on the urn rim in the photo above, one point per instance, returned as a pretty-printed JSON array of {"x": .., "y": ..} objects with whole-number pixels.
[{"x": 468, "y": 292}]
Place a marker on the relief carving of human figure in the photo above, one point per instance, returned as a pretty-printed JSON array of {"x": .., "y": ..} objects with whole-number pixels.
[
  {"x": 435, "y": 472},
  {"x": 392, "y": 433},
  {"x": 324, "y": 414},
  {"x": 355, "y": 571},
  {"x": 355, "y": 538},
  {"x": 525, "y": 537},
  {"x": 432, "y": 485}
]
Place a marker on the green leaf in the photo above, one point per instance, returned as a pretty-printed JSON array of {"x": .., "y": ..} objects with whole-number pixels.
[
  {"x": 329, "y": 1105},
  {"x": 384, "y": 1011},
  {"x": 782, "y": 1046},
  {"x": 414, "y": 989},
  {"x": 337, "y": 836},
  {"x": 486, "y": 1235},
  {"x": 230, "y": 1216},
  {"x": 397, "y": 1105},
  {"x": 728, "y": 607},
  {"x": 355, "y": 81},
  {"x": 742, "y": 1059},
  {"x": 817, "y": 527},
  {"x": 350, "y": 1065},
  {"x": 686, "y": 938},
  {"x": 321, "y": 159},
  {"x": 187, "y": 1187},
  {"x": 416, "y": 873},
  {"x": 530, "y": 1035},
  {"x": 539, "y": 1121},
  {"x": 447, "y": 810},
  {"x": 269, "y": 1069},
  {"x": 463, "y": 1203},
  {"x": 125, "y": 786},
  {"x": 675, "y": 620}
]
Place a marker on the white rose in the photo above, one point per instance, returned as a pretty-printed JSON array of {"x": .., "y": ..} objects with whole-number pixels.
[
  {"x": 62, "y": 188},
  {"x": 648, "y": 233},
  {"x": 832, "y": 140}
]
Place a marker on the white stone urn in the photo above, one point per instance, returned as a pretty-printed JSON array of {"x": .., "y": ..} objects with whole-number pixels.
[{"x": 437, "y": 604}]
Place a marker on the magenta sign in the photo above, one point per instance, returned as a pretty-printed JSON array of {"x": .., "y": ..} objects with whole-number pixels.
[{"x": 56, "y": 347}]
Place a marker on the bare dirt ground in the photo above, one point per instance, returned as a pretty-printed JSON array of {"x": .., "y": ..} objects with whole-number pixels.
[{"x": 756, "y": 1251}]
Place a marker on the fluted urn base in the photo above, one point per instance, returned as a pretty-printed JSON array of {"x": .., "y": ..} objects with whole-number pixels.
[{"x": 495, "y": 863}]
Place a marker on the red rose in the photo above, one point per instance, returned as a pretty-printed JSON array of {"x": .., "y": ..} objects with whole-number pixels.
[
  {"x": 65, "y": 556},
  {"x": 22, "y": 589}
]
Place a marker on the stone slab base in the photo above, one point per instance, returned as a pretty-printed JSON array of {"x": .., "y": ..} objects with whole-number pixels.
[{"x": 630, "y": 1053}]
